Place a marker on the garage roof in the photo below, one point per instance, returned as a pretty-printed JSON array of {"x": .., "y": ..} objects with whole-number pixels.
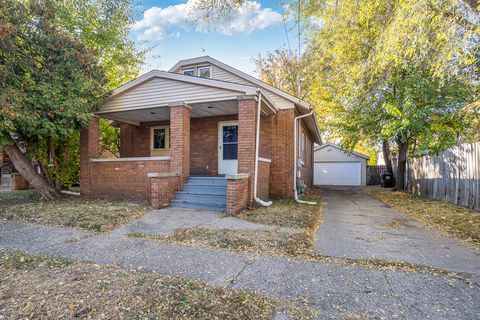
[{"x": 329, "y": 144}]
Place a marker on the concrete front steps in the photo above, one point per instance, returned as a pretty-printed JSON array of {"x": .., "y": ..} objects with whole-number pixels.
[{"x": 207, "y": 193}]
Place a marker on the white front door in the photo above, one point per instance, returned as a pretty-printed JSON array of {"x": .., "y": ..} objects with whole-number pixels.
[{"x": 227, "y": 147}]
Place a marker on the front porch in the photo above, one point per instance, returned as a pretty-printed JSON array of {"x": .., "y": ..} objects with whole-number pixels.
[{"x": 164, "y": 150}]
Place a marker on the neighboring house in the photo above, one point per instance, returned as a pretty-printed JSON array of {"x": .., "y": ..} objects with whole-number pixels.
[
  {"x": 188, "y": 138},
  {"x": 336, "y": 167}
]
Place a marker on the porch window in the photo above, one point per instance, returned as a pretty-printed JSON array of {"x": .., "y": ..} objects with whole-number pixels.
[
  {"x": 160, "y": 137},
  {"x": 205, "y": 72},
  {"x": 230, "y": 142},
  {"x": 188, "y": 72}
]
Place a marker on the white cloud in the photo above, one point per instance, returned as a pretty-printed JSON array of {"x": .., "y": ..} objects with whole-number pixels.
[{"x": 157, "y": 23}]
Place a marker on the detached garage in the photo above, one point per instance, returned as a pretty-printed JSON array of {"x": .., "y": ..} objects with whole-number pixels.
[{"x": 336, "y": 167}]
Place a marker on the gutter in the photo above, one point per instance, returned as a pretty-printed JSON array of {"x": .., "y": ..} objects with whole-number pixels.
[
  {"x": 295, "y": 160},
  {"x": 257, "y": 144}
]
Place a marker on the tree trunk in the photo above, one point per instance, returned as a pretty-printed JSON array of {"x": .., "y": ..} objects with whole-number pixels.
[
  {"x": 386, "y": 156},
  {"x": 25, "y": 168},
  {"x": 402, "y": 165}
]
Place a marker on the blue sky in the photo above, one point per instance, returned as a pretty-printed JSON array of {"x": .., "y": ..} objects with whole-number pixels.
[{"x": 169, "y": 27}]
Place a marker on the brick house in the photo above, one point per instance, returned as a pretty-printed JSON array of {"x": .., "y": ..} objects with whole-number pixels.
[{"x": 202, "y": 135}]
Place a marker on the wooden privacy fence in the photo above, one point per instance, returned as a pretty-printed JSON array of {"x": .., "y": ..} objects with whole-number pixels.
[
  {"x": 452, "y": 175},
  {"x": 373, "y": 175}
]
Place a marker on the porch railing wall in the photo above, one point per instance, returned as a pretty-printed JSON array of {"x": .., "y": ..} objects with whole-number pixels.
[{"x": 124, "y": 178}]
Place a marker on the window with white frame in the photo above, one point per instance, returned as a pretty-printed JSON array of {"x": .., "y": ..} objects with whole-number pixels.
[
  {"x": 160, "y": 138},
  {"x": 188, "y": 72},
  {"x": 205, "y": 72}
]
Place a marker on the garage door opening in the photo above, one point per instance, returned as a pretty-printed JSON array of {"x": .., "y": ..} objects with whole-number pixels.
[{"x": 337, "y": 174}]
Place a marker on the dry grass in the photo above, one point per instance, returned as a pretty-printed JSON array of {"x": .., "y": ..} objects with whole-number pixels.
[
  {"x": 8, "y": 197},
  {"x": 72, "y": 211},
  {"x": 288, "y": 213},
  {"x": 269, "y": 242},
  {"x": 40, "y": 287},
  {"x": 285, "y": 213},
  {"x": 445, "y": 217}
]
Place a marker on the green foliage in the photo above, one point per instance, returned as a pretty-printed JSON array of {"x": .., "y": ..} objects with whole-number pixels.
[
  {"x": 282, "y": 69},
  {"x": 50, "y": 82},
  {"x": 104, "y": 25},
  {"x": 109, "y": 138},
  {"x": 395, "y": 70},
  {"x": 47, "y": 99}
]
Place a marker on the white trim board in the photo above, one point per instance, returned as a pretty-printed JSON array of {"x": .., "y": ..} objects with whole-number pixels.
[
  {"x": 130, "y": 159},
  {"x": 336, "y": 146}
]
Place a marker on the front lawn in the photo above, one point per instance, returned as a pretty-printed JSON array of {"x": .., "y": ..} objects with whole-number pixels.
[
  {"x": 287, "y": 213},
  {"x": 42, "y": 287},
  {"x": 72, "y": 211},
  {"x": 451, "y": 220},
  {"x": 304, "y": 218}
]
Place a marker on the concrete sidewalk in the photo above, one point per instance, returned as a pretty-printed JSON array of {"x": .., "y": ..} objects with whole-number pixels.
[{"x": 334, "y": 290}]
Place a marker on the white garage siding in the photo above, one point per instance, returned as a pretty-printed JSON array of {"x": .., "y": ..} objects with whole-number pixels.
[{"x": 334, "y": 166}]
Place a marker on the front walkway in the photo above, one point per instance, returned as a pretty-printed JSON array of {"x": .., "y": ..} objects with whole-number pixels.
[
  {"x": 336, "y": 290},
  {"x": 356, "y": 225},
  {"x": 166, "y": 221}
]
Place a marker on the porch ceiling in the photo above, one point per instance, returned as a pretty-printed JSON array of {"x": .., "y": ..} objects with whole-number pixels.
[{"x": 199, "y": 110}]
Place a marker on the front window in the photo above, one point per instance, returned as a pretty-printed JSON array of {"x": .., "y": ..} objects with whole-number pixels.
[
  {"x": 204, "y": 72},
  {"x": 160, "y": 138},
  {"x": 188, "y": 72}
]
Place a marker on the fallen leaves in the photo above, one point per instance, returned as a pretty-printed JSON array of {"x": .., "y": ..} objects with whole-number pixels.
[
  {"x": 48, "y": 288},
  {"x": 72, "y": 211},
  {"x": 288, "y": 213},
  {"x": 450, "y": 220}
]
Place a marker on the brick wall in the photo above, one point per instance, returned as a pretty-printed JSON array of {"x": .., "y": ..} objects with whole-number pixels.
[
  {"x": 281, "y": 168},
  {"x": 89, "y": 148},
  {"x": 246, "y": 141},
  {"x": 263, "y": 189},
  {"x": 163, "y": 190},
  {"x": 134, "y": 140},
  {"x": 306, "y": 171},
  {"x": 124, "y": 179},
  {"x": 237, "y": 195},
  {"x": 19, "y": 182},
  {"x": 204, "y": 144},
  {"x": 180, "y": 140}
]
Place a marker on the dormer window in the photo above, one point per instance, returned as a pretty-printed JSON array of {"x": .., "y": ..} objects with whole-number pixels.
[
  {"x": 188, "y": 72},
  {"x": 205, "y": 72}
]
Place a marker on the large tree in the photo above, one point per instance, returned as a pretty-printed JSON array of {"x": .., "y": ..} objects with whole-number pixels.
[
  {"x": 285, "y": 70},
  {"x": 399, "y": 71},
  {"x": 102, "y": 28},
  {"x": 49, "y": 84}
]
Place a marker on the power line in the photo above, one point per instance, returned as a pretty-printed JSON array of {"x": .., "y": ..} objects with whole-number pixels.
[
  {"x": 299, "y": 48},
  {"x": 285, "y": 28}
]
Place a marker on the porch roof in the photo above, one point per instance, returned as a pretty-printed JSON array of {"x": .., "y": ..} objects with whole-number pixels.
[
  {"x": 161, "y": 113},
  {"x": 148, "y": 98}
]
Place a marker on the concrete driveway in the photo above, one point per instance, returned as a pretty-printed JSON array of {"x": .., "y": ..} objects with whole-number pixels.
[{"x": 359, "y": 226}]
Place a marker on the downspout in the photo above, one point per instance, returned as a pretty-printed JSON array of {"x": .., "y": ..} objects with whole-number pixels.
[
  {"x": 257, "y": 143},
  {"x": 295, "y": 158}
]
